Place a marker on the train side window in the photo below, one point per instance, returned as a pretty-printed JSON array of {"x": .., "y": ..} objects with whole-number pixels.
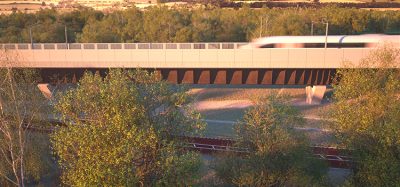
[
  {"x": 334, "y": 45},
  {"x": 352, "y": 45},
  {"x": 314, "y": 45},
  {"x": 320, "y": 45},
  {"x": 268, "y": 46}
]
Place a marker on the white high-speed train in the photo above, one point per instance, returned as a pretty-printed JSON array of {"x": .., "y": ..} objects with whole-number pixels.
[{"x": 349, "y": 41}]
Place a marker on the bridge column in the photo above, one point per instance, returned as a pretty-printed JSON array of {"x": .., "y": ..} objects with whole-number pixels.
[
  {"x": 314, "y": 94},
  {"x": 45, "y": 89}
]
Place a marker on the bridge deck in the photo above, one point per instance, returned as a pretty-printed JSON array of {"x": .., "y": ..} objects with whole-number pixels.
[{"x": 182, "y": 55}]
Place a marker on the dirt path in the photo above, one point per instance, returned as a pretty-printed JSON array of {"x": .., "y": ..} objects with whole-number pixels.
[
  {"x": 216, "y": 105},
  {"x": 239, "y": 104},
  {"x": 242, "y": 104}
]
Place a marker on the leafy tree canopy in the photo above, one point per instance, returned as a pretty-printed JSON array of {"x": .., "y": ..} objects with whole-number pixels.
[
  {"x": 367, "y": 119},
  {"x": 122, "y": 131}
]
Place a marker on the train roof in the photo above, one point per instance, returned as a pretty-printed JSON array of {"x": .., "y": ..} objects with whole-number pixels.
[{"x": 368, "y": 38}]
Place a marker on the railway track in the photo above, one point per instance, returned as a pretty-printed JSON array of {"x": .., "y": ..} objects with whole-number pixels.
[{"x": 335, "y": 157}]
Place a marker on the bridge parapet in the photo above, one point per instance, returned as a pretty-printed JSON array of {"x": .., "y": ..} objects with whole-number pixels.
[{"x": 104, "y": 46}]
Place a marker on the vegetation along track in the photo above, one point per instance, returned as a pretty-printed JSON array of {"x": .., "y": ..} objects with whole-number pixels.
[{"x": 335, "y": 157}]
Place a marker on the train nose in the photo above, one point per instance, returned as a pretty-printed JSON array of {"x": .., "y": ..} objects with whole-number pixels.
[{"x": 247, "y": 46}]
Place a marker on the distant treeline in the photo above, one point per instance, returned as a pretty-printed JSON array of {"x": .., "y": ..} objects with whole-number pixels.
[
  {"x": 206, "y": 24},
  {"x": 278, "y": 4},
  {"x": 272, "y": 4}
]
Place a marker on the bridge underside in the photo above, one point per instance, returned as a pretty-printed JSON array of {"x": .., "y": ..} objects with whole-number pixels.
[{"x": 209, "y": 76}]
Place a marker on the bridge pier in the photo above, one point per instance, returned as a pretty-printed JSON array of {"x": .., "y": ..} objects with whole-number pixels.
[{"x": 315, "y": 94}]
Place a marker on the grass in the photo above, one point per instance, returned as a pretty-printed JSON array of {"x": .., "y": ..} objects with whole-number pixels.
[
  {"x": 216, "y": 130},
  {"x": 231, "y": 114},
  {"x": 321, "y": 138},
  {"x": 222, "y": 130}
]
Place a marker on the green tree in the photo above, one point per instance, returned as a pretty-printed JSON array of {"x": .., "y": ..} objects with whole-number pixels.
[
  {"x": 278, "y": 156},
  {"x": 76, "y": 20},
  {"x": 122, "y": 130},
  {"x": 237, "y": 25},
  {"x": 366, "y": 117},
  {"x": 168, "y": 24},
  {"x": 107, "y": 30},
  {"x": 133, "y": 30},
  {"x": 206, "y": 25},
  {"x": 290, "y": 23}
]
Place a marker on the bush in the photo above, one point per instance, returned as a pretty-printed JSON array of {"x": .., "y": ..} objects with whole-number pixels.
[{"x": 278, "y": 156}]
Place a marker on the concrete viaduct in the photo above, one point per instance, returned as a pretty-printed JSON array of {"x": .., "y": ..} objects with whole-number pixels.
[{"x": 192, "y": 63}]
